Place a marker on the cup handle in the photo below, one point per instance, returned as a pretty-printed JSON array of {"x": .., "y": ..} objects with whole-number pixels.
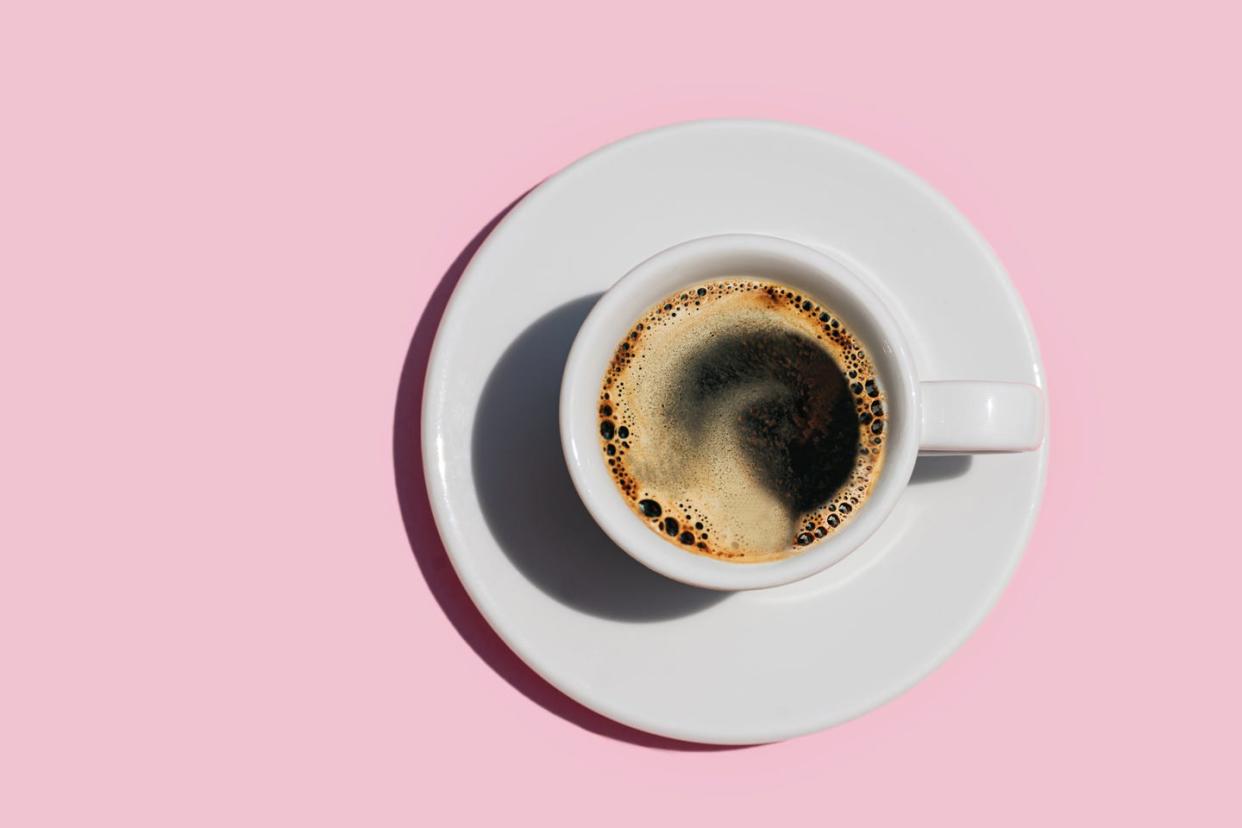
[{"x": 979, "y": 417}]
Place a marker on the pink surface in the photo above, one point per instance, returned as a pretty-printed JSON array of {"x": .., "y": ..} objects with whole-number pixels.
[{"x": 219, "y": 228}]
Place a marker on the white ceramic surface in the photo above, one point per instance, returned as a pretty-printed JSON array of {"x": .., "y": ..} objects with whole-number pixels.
[
  {"x": 962, "y": 415},
  {"x": 672, "y": 659}
]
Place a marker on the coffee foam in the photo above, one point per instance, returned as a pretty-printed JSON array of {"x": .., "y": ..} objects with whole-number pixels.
[{"x": 742, "y": 421}]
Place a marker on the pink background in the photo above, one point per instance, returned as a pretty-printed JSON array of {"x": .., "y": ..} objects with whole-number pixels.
[{"x": 220, "y": 225}]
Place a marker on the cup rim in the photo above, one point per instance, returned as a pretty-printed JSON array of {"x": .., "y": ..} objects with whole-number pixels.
[{"x": 662, "y": 274}]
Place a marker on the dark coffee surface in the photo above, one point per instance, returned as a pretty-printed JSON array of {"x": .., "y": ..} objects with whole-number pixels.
[{"x": 800, "y": 435}]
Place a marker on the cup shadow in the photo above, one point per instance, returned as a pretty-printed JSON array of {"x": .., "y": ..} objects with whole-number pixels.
[
  {"x": 529, "y": 500},
  {"x": 589, "y": 557},
  {"x": 933, "y": 468}
]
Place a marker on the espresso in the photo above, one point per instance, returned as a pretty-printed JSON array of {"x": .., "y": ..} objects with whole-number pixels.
[{"x": 742, "y": 420}]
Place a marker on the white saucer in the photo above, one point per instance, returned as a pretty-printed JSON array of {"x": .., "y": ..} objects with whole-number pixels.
[{"x": 653, "y": 654}]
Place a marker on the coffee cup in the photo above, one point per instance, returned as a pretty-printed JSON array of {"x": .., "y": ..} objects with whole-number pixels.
[{"x": 922, "y": 417}]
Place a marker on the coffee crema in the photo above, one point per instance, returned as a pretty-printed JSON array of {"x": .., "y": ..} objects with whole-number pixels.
[{"x": 742, "y": 421}]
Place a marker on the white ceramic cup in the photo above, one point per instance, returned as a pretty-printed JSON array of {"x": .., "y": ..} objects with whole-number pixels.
[{"x": 923, "y": 417}]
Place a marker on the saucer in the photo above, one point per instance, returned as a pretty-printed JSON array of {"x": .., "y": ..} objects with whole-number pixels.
[{"x": 657, "y": 655}]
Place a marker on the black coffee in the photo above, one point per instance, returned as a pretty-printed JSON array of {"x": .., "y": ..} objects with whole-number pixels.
[{"x": 742, "y": 420}]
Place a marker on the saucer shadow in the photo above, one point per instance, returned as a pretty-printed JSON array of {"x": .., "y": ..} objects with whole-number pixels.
[
  {"x": 429, "y": 551},
  {"x": 529, "y": 501},
  {"x": 932, "y": 468}
]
